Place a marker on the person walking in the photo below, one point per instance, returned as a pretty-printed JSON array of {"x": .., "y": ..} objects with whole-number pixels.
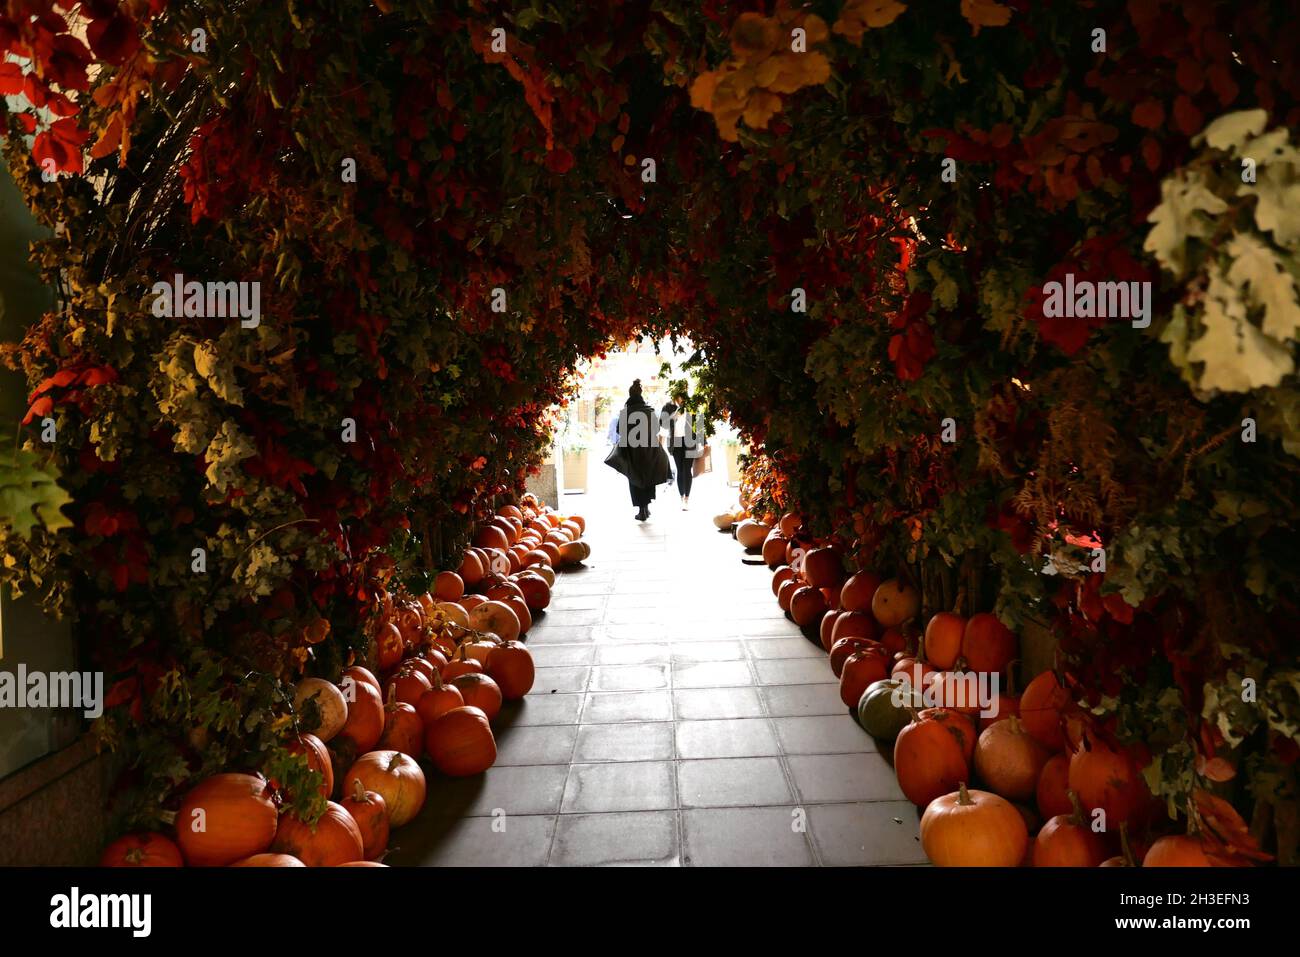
[
  {"x": 637, "y": 454},
  {"x": 683, "y": 441}
]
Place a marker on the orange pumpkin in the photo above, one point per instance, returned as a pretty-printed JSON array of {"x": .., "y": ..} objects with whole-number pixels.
[
  {"x": 371, "y": 816},
  {"x": 943, "y": 639},
  {"x": 442, "y": 697},
  {"x": 960, "y": 726},
  {"x": 389, "y": 646},
  {"x": 365, "y": 722},
  {"x": 783, "y": 575},
  {"x": 146, "y": 849},
  {"x": 973, "y": 829},
  {"x": 224, "y": 818},
  {"x": 1052, "y": 792},
  {"x": 786, "y": 592},
  {"x": 855, "y": 624},
  {"x": 510, "y": 665},
  {"x": 1177, "y": 850},
  {"x": 857, "y": 592},
  {"x": 396, "y": 778},
  {"x": 826, "y": 629},
  {"x": 895, "y": 602},
  {"x": 1108, "y": 779},
  {"x": 269, "y": 860},
  {"x": 842, "y": 649},
  {"x": 318, "y": 759},
  {"x": 1041, "y": 705},
  {"x": 987, "y": 644},
  {"x": 406, "y": 686},
  {"x": 481, "y": 692},
  {"x": 929, "y": 761},
  {"x": 403, "y": 729},
  {"x": 333, "y": 839},
  {"x": 807, "y": 606},
  {"x": 1009, "y": 760},
  {"x": 865, "y": 666},
  {"x": 774, "y": 551},
  {"x": 460, "y": 742},
  {"x": 1066, "y": 840},
  {"x": 824, "y": 568}
]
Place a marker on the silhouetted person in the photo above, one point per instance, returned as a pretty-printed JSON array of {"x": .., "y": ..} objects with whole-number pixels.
[
  {"x": 683, "y": 442},
  {"x": 637, "y": 453}
]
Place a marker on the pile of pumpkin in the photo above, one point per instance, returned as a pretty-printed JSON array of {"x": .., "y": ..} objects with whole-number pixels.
[
  {"x": 446, "y": 661},
  {"x": 1054, "y": 791}
]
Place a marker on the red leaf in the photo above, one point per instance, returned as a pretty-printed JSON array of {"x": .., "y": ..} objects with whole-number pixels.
[
  {"x": 113, "y": 39},
  {"x": 559, "y": 160},
  {"x": 11, "y": 79},
  {"x": 1187, "y": 116},
  {"x": 1189, "y": 76},
  {"x": 41, "y": 407},
  {"x": 1150, "y": 113}
]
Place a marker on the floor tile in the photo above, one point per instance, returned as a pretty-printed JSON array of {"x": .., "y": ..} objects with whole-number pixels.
[
  {"x": 632, "y": 653},
  {"x": 562, "y": 656},
  {"x": 633, "y": 786},
  {"x": 793, "y": 700},
  {"x": 630, "y": 741},
  {"x": 552, "y": 680},
  {"x": 783, "y": 648},
  {"x": 726, "y": 738},
  {"x": 823, "y": 778},
  {"x": 439, "y": 841},
  {"x": 744, "y": 837},
  {"x": 825, "y": 734},
  {"x": 632, "y": 837},
  {"x": 712, "y": 674},
  {"x": 542, "y": 744},
  {"x": 728, "y": 782},
  {"x": 854, "y": 835},
  {"x": 794, "y": 671},
  {"x": 690, "y": 652},
  {"x": 512, "y": 790},
  {"x": 541, "y": 709},
  {"x": 702, "y": 703},
  {"x": 629, "y": 677},
  {"x": 605, "y": 707}
]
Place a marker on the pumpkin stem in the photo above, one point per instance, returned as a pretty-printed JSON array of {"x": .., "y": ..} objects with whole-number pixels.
[
  {"x": 358, "y": 791},
  {"x": 437, "y": 680},
  {"x": 392, "y": 696},
  {"x": 134, "y": 856},
  {"x": 1076, "y": 818},
  {"x": 963, "y": 796}
]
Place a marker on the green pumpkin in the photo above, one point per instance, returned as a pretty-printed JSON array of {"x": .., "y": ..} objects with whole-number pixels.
[{"x": 878, "y": 714}]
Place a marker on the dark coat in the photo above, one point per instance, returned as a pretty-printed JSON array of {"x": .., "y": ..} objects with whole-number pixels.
[{"x": 637, "y": 454}]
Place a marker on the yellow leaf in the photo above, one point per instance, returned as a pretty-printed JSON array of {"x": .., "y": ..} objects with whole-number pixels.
[
  {"x": 985, "y": 13},
  {"x": 794, "y": 71},
  {"x": 858, "y": 16},
  {"x": 762, "y": 106},
  {"x": 815, "y": 28},
  {"x": 702, "y": 89},
  {"x": 754, "y": 36}
]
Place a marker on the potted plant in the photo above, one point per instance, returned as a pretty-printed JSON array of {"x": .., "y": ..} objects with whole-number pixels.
[
  {"x": 575, "y": 442},
  {"x": 732, "y": 447}
]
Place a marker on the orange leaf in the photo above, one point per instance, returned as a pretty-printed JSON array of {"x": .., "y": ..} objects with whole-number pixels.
[
  {"x": 985, "y": 13},
  {"x": 1150, "y": 114}
]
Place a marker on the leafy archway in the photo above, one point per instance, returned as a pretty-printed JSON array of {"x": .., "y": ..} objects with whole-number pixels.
[{"x": 852, "y": 209}]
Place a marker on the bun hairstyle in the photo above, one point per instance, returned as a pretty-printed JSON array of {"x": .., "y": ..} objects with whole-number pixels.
[{"x": 635, "y": 391}]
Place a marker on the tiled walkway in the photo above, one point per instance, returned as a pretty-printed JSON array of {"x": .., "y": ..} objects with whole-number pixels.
[{"x": 677, "y": 718}]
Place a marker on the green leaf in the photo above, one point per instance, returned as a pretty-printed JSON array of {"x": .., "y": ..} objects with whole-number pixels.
[{"x": 30, "y": 494}]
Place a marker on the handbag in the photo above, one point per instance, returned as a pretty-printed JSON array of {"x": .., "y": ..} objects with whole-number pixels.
[{"x": 703, "y": 462}]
